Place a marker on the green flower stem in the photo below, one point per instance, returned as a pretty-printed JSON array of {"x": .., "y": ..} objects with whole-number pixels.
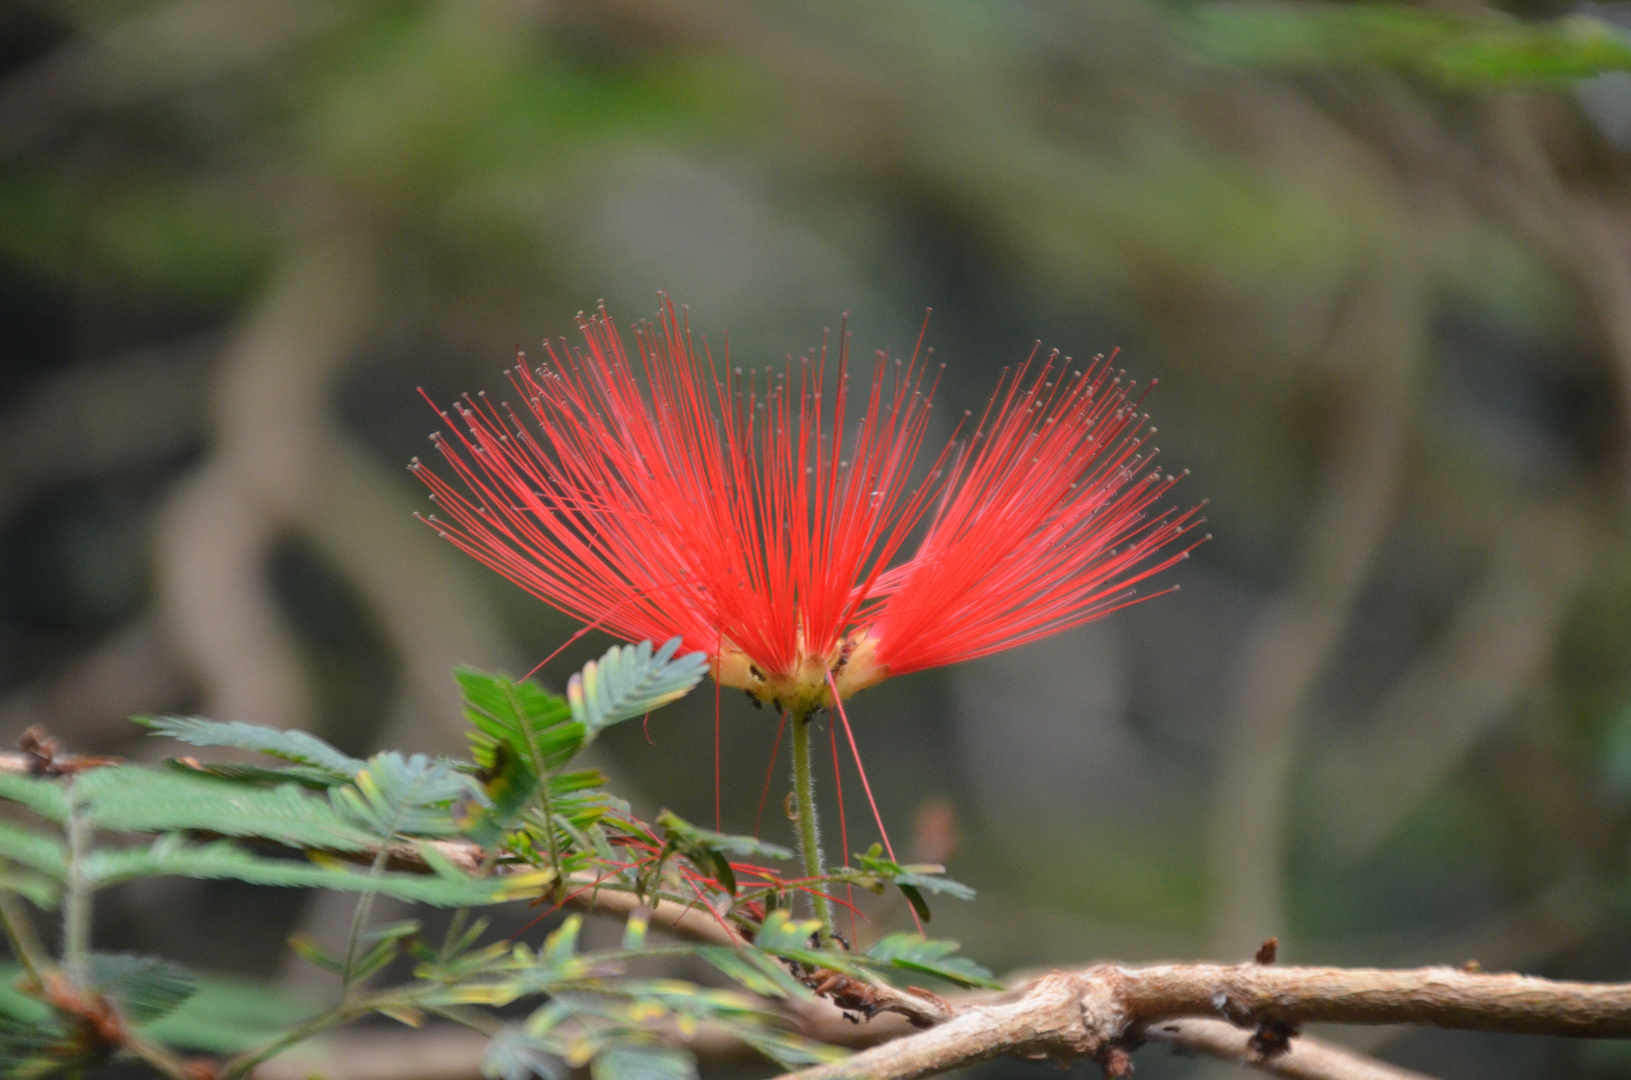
[{"x": 809, "y": 833}]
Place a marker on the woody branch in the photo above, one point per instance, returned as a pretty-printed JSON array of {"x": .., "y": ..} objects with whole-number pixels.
[{"x": 1102, "y": 1011}]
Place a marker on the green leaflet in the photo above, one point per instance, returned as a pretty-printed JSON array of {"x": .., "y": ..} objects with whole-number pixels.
[
  {"x": 139, "y": 799},
  {"x": 913, "y": 879},
  {"x": 45, "y": 797},
  {"x": 225, "y": 1015},
  {"x": 30, "y": 1051},
  {"x": 684, "y": 834},
  {"x": 296, "y": 746},
  {"x": 38, "y": 889},
  {"x": 914, "y": 952},
  {"x": 636, "y": 1062},
  {"x": 631, "y": 680},
  {"x": 394, "y": 795},
  {"x": 1453, "y": 48},
  {"x": 536, "y": 726},
  {"x": 759, "y": 972},
  {"x": 515, "y": 1055},
  {"x": 145, "y": 987},
  {"x": 781, "y": 932},
  {"x": 709, "y": 851},
  {"x": 794, "y": 939},
  {"x": 305, "y": 775},
  {"x": 44, "y": 853},
  {"x": 171, "y": 855},
  {"x": 786, "y": 1049}
]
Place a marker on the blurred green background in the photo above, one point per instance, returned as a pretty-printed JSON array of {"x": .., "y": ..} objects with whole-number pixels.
[{"x": 1379, "y": 258}]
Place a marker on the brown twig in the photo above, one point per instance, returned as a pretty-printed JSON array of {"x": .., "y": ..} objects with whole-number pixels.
[
  {"x": 1101, "y": 1012},
  {"x": 1463, "y": 682},
  {"x": 41, "y": 756}
]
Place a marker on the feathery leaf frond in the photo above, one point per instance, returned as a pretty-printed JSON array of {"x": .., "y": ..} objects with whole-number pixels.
[
  {"x": 631, "y": 680},
  {"x": 296, "y": 746}
]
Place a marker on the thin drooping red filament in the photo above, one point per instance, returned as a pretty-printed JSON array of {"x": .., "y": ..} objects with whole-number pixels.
[
  {"x": 866, "y": 786},
  {"x": 843, "y": 825},
  {"x": 770, "y": 770}
]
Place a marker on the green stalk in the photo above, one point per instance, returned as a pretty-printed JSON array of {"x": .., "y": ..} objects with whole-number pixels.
[
  {"x": 809, "y": 833},
  {"x": 359, "y": 923},
  {"x": 76, "y": 895},
  {"x": 239, "y": 1067}
]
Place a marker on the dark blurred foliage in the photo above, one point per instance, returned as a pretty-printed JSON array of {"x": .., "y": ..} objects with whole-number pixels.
[{"x": 1379, "y": 258}]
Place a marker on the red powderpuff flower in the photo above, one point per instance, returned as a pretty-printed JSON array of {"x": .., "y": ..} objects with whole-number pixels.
[{"x": 761, "y": 515}]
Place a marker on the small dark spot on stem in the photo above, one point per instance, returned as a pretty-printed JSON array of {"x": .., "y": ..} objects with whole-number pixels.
[{"x": 1272, "y": 1038}]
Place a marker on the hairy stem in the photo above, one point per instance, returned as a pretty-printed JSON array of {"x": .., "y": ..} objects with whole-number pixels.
[
  {"x": 461, "y": 917},
  {"x": 157, "y": 1058},
  {"x": 359, "y": 922},
  {"x": 76, "y": 895},
  {"x": 809, "y": 833},
  {"x": 241, "y": 1066}
]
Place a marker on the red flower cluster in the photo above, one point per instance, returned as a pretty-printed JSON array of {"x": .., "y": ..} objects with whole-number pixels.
[{"x": 761, "y": 515}]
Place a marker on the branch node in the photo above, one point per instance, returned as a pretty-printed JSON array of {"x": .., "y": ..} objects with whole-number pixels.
[
  {"x": 1272, "y": 1038},
  {"x": 42, "y": 756},
  {"x": 1267, "y": 951},
  {"x": 1116, "y": 1061}
]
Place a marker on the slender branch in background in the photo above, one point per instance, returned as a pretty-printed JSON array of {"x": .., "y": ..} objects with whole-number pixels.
[
  {"x": 1466, "y": 679},
  {"x": 809, "y": 831},
  {"x": 1381, "y": 336},
  {"x": 1571, "y": 225}
]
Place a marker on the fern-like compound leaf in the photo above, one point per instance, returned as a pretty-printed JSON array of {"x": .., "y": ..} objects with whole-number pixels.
[
  {"x": 632, "y": 680},
  {"x": 173, "y": 856},
  {"x": 44, "y": 797},
  {"x": 536, "y": 726},
  {"x": 914, "y": 952},
  {"x": 145, "y": 987},
  {"x": 138, "y": 799},
  {"x": 394, "y": 795},
  {"x": 296, "y": 746},
  {"x": 44, "y": 853}
]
